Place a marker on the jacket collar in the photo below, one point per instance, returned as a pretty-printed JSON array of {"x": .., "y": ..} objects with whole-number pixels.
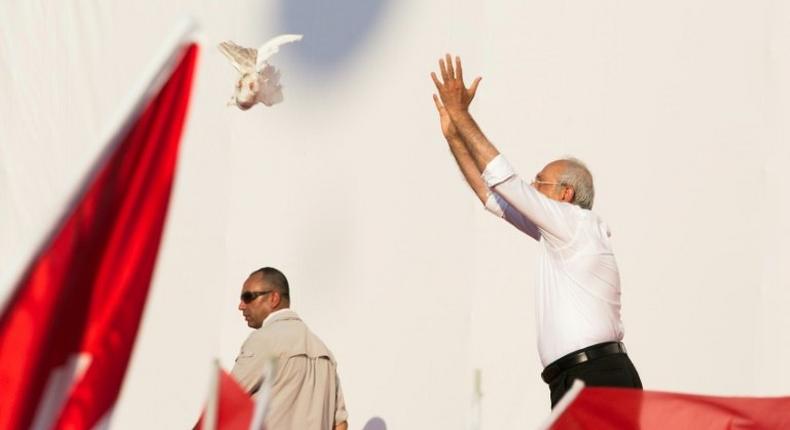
[{"x": 280, "y": 315}]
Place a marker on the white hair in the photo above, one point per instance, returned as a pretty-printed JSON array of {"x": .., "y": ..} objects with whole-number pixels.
[{"x": 577, "y": 176}]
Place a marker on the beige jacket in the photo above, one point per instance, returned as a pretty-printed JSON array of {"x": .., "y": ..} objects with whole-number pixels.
[{"x": 306, "y": 393}]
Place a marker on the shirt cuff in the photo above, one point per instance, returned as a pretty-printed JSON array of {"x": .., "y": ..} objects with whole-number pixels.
[
  {"x": 493, "y": 206},
  {"x": 497, "y": 171}
]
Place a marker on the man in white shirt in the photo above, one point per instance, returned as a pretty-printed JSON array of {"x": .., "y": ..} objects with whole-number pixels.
[{"x": 578, "y": 292}]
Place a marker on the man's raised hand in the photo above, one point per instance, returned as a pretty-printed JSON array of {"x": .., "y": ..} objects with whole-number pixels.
[
  {"x": 448, "y": 128},
  {"x": 452, "y": 91}
]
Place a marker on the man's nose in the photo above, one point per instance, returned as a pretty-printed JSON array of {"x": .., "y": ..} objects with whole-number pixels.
[{"x": 241, "y": 305}]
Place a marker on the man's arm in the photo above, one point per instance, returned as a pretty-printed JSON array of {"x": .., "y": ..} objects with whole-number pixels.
[
  {"x": 473, "y": 151},
  {"x": 247, "y": 369},
  {"x": 456, "y": 99},
  {"x": 461, "y": 154},
  {"x": 491, "y": 201},
  {"x": 341, "y": 414}
]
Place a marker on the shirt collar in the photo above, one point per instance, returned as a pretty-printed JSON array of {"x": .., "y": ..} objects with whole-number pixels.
[{"x": 280, "y": 314}]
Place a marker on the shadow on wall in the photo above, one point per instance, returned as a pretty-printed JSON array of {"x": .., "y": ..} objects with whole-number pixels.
[
  {"x": 332, "y": 30},
  {"x": 375, "y": 423}
]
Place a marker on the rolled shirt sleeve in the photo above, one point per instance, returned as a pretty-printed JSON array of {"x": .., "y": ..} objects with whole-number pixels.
[
  {"x": 497, "y": 171},
  {"x": 526, "y": 208},
  {"x": 341, "y": 415}
]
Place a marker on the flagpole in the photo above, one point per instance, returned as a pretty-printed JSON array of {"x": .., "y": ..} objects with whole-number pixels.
[{"x": 212, "y": 403}]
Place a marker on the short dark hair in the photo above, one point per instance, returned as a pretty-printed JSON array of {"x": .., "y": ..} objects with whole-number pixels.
[{"x": 275, "y": 279}]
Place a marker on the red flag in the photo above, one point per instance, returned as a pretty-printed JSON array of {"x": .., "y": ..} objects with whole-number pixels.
[
  {"x": 68, "y": 331},
  {"x": 232, "y": 406},
  {"x": 623, "y": 409}
]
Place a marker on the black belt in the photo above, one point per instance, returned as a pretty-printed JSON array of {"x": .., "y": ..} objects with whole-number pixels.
[{"x": 578, "y": 357}]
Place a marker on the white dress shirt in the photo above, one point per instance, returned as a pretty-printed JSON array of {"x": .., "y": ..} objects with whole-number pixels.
[{"x": 578, "y": 293}]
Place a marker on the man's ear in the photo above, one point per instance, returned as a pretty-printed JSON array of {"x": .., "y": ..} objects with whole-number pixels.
[
  {"x": 276, "y": 299},
  {"x": 567, "y": 194}
]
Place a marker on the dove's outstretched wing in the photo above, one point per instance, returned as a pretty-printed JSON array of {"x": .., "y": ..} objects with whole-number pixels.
[
  {"x": 273, "y": 46},
  {"x": 243, "y": 59}
]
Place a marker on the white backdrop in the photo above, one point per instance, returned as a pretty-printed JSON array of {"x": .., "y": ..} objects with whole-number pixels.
[{"x": 680, "y": 108}]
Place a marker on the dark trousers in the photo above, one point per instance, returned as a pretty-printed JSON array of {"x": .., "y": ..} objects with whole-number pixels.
[{"x": 614, "y": 370}]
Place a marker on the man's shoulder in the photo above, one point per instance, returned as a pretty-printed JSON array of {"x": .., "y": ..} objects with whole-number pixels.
[
  {"x": 289, "y": 335},
  {"x": 277, "y": 327},
  {"x": 585, "y": 217},
  {"x": 596, "y": 223}
]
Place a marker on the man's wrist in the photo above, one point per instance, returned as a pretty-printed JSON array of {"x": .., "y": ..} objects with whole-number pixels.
[
  {"x": 457, "y": 111},
  {"x": 461, "y": 118}
]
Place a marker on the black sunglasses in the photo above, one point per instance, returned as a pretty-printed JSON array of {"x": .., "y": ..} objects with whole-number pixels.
[{"x": 249, "y": 296}]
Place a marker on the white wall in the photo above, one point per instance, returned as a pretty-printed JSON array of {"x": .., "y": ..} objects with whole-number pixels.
[{"x": 680, "y": 108}]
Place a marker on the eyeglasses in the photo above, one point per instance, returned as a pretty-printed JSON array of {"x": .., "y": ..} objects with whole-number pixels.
[
  {"x": 536, "y": 183},
  {"x": 248, "y": 296}
]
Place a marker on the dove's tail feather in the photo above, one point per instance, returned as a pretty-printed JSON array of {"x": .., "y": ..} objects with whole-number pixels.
[
  {"x": 269, "y": 90},
  {"x": 273, "y": 46},
  {"x": 272, "y": 96}
]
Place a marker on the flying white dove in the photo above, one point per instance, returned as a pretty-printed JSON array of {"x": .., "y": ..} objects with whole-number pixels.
[{"x": 259, "y": 81}]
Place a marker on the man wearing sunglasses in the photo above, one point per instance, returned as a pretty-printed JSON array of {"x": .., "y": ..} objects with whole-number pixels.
[
  {"x": 578, "y": 295},
  {"x": 306, "y": 391}
]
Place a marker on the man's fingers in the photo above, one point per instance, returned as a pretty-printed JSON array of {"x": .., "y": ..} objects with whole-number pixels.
[
  {"x": 436, "y": 101},
  {"x": 443, "y": 70},
  {"x": 459, "y": 72},
  {"x": 436, "y": 81},
  {"x": 449, "y": 61},
  {"x": 473, "y": 88}
]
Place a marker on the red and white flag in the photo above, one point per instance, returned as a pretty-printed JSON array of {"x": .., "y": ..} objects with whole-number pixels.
[
  {"x": 67, "y": 332},
  {"x": 624, "y": 409},
  {"x": 230, "y": 407}
]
